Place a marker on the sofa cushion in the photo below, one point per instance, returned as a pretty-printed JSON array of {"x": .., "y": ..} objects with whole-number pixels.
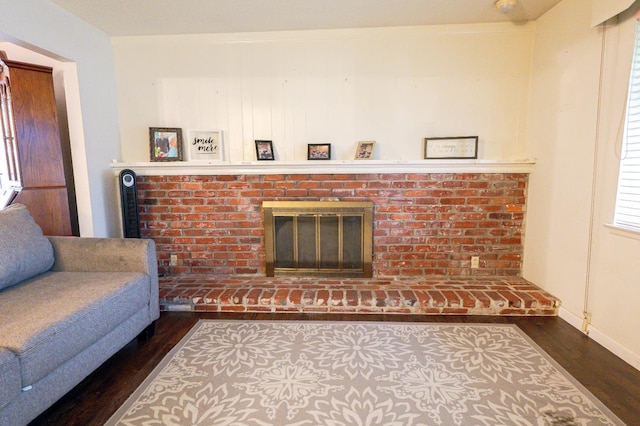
[
  {"x": 24, "y": 251},
  {"x": 49, "y": 319},
  {"x": 9, "y": 376}
]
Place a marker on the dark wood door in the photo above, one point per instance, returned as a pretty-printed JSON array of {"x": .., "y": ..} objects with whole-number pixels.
[{"x": 44, "y": 187}]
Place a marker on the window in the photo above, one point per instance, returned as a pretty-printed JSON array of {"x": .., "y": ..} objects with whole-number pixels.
[
  {"x": 627, "y": 213},
  {"x": 9, "y": 173}
]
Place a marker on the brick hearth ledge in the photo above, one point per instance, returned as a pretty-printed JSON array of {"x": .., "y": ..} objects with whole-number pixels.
[{"x": 439, "y": 295}]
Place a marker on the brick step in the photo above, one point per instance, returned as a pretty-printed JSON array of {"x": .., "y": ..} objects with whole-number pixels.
[{"x": 435, "y": 296}]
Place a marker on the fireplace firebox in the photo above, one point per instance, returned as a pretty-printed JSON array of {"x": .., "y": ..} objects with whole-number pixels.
[{"x": 318, "y": 238}]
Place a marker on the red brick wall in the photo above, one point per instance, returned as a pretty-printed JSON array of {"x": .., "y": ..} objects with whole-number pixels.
[{"x": 424, "y": 224}]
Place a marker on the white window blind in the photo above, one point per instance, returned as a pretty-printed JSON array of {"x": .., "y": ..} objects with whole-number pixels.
[{"x": 627, "y": 213}]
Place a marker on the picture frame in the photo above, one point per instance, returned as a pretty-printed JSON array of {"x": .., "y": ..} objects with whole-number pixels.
[
  {"x": 365, "y": 150},
  {"x": 8, "y": 196},
  {"x": 264, "y": 150},
  {"x": 319, "y": 151},
  {"x": 206, "y": 145},
  {"x": 451, "y": 148},
  {"x": 165, "y": 143}
]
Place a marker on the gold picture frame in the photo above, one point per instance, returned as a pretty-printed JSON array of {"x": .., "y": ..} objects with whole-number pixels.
[
  {"x": 165, "y": 143},
  {"x": 365, "y": 150}
]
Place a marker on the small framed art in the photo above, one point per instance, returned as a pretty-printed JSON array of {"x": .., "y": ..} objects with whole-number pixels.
[
  {"x": 461, "y": 147},
  {"x": 319, "y": 151},
  {"x": 205, "y": 145},
  {"x": 165, "y": 143},
  {"x": 365, "y": 150},
  {"x": 264, "y": 150}
]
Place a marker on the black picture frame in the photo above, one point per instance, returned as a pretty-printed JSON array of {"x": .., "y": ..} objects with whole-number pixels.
[
  {"x": 451, "y": 148},
  {"x": 264, "y": 150},
  {"x": 165, "y": 143},
  {"x": 319, "y": 151}
]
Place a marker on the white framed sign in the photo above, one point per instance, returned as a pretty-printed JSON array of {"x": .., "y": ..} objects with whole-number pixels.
[
  {"x": 462, "y": 147},
  {"x": 205, "y": 145}
]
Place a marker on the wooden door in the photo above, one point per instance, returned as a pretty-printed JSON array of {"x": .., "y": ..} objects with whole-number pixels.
[{"x": 44, "y": 187}]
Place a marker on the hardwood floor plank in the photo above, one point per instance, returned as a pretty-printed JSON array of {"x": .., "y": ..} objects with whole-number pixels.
[{"x": 614, "y": 382}]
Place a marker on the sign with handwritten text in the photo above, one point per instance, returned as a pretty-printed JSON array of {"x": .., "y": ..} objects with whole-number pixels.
[
  {"x": 464, "y": 147},
  {"x": 205, "y": 145}
]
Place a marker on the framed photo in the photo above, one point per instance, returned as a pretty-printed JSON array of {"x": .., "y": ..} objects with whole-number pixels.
[
  {"x": 462, "y": 147},
  {"x": 165, "y": 143},
  {"x": 365, "y": 150},
  {"x": 205, "y": 145},
  {"x": 7, "y": 196},
  {"x": 319, "y": 151},
  {"x": 264, "y": 150}
]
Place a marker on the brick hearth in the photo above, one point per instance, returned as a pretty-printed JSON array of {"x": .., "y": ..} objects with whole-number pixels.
[{"x": 442, "y": 295}]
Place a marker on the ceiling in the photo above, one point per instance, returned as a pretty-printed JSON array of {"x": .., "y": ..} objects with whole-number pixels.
[{"x": 158, "y": 17}]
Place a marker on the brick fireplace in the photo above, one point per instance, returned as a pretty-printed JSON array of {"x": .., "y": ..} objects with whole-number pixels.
[{"x": 424, "y": 224}]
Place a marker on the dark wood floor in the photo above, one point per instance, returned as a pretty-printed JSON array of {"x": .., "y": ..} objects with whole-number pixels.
[{"x": 92, "y": 402}]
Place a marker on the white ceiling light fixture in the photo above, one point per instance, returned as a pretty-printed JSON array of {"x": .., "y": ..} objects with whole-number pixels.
[{"x": 505, "y": 6}]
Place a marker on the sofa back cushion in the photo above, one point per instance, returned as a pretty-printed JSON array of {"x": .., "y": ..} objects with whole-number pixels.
[{"x": 24, "y": 251}]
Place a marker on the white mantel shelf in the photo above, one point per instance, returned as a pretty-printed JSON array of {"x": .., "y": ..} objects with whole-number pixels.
[{"x": 183, "y": 168}]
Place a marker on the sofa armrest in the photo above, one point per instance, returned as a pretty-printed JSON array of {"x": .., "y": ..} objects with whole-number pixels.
[{"x": 83, "y": 254}]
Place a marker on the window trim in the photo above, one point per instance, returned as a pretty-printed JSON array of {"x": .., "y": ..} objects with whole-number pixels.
[
  {"x": 623, "y": 231},
  {"x": 629, "y": 166}
]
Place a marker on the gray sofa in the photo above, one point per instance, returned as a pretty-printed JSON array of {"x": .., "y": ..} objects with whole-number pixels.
[{"x": 67, "y": 304}]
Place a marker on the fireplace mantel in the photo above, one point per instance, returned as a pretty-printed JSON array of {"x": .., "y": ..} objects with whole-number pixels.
[{"x": 324, "y": 167}]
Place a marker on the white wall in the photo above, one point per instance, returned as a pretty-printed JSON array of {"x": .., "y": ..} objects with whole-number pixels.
[
  {"x": 574, "y": 125},
  {"x": 394, "y": 85},
  {"x": 562, "y": 123},
  {"x": 84, "y": 57},
  {"x": 614, "y": 291}
]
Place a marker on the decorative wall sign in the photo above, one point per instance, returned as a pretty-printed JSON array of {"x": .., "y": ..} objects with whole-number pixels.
[
  {"x": 264, "y": 150},
  {"x": 462, "y": 147},
  {"x": 165, "y": 143},
  {"x": 365, "y": 150},
  {"x": 205, "y": 145},
  {"x": 319, "y": 151}
]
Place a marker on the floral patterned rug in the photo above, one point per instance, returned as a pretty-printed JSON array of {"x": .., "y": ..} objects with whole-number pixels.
[{"x": 359, "y": 373}]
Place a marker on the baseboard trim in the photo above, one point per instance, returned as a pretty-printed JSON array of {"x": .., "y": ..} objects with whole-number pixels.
[{"x": 601, "y": 338}]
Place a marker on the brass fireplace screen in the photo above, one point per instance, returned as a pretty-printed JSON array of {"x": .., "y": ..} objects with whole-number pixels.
[{"x": 319, "y": 238}]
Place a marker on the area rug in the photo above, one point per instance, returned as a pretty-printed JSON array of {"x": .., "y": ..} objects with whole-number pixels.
[{"x": 359, "y": 373}]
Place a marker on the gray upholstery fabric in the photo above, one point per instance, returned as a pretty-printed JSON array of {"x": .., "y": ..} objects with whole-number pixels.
[
  {"x": 49, "y": 319},
  {"x": 59, "y": 326},
  {"x": 24, "y": 251},
  {"x": 109, "y": 255},
  {"x": 29, "y": 404},
  {"x": 9, "y": 377}
]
